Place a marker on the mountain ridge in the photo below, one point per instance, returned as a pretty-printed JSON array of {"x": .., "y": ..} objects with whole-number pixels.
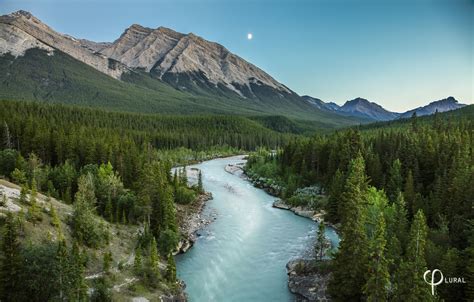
[
  {"x": 363, "y": 108},
  {"x": 44, "y": 65}
]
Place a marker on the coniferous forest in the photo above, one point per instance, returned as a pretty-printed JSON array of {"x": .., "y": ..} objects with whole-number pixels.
[
  {"x": 236, "y": 151},
  {"x": 401, "y": 195}
]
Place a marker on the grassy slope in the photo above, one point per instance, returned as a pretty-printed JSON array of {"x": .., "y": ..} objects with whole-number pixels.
[
  {"x": 60, "y": 78},
  {"x": 122, "y": 244}
]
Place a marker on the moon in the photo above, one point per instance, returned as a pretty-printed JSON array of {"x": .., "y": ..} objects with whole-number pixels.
[{"x": 249, "y": 36}]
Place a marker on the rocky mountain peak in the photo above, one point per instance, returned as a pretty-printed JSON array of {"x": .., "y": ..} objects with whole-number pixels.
[{"x": 20, "y": 31}]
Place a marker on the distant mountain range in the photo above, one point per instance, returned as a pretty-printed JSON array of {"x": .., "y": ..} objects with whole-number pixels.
[
  {"x": 145, "y": 70},
  {"x": 362, "y": 108}
]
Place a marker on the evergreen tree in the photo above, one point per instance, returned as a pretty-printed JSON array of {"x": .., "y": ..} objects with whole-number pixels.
[
  {"x": 320, "y": 241},
  {"x": 86, "y": 228},
  {"x": 23, "y": 194},
  {"x": 10, "y": 261},
  {"x": 395, "y": 180},
  {"x": 34, "y": 212},
  {"x": 376, "y": 288},
  {"x": 410, "y": 285},
  {"x": 62, "y": 259},
  {"x": 55, "y": 221},
  {"x": 199, "y": 186},
  {"x": 346, "y": 284},
  {"x": 409, "y": 193},
  {"x": 171, "y": 269},
  {"x": 336, "y": 189},
  {"x": 137, "y": 263},
  {"x": 78, "y": 287}
]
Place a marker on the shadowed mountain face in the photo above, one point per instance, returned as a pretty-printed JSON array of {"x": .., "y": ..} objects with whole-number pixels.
[
  {"x": 443, "y": 105},
  {"x": 146, "y": 70},
  {"x": 362, "y": 108}
]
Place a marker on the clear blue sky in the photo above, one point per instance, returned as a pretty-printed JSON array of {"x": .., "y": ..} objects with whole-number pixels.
[{"x": 400, "y": 54}]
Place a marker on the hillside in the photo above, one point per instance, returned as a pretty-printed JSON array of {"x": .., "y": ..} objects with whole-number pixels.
[
  {"x": 42, "y": 236},
  {"x": 145, "y": 70}
]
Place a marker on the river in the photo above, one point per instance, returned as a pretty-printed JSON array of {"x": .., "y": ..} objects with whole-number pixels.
[{"x": 241, "y": 256}]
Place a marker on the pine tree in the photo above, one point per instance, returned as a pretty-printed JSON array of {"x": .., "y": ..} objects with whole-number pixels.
[
  {"x": 335, "y": 191},
  {"x": 184, "y": 176},
  {"x": 320, "y": 241},
  {"x": 10, "y": 264},
  {"x": 7, "y": 137},
  {"x": 346, "y": 284},
  {"x": 23, "y": 194},
  {"x": 171, "y": 269},
  {"x": 108, "y": 210},
  {"x": 200, "y": 187},
  {"x": 376, "y": 288},
  {"x": 410, "y": 285},
  {"x": 154, "y": 257},
  {"x": 62, "y": 259},
  {"x": 78, "y": 287},
  {"x": 34, "y": 212},
  {"x": 409, "y": 193},
  {"x": 55, "y": 221},
  {"x": 137, "y": 263},
  {"x": 395, "y": 180}
]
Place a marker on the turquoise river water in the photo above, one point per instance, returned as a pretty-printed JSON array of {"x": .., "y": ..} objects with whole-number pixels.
[{"x": 241, "y": 256}]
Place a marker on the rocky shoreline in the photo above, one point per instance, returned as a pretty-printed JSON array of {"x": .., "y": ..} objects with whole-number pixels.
[
  {"x": 317, "y": 216},
  {"x": 191, "y": 221},
  {"x": 308, "y": 279}
]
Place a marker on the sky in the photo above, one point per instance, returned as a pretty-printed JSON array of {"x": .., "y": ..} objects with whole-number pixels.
[{"x": 400, "y": 54}]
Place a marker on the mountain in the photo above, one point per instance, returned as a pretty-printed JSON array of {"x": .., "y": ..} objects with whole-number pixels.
[
  {"x": 358, "y": 107},
  {"x": 363, "y": 108},
  {"x": 144, "y": 70},
  {"x": 443, "y": 105},
  {"x": 321, "y": 104},
  {"x": 190, "y": 62}
]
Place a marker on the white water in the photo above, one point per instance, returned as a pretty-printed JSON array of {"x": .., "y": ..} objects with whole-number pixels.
[{"x": 241, "y": 256}]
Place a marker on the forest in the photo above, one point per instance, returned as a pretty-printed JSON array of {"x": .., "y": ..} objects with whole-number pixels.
[
  {"x": 400, "y": 192},
  {"x": 112, "y": 172},
  {"x": 401, "y": 195}
]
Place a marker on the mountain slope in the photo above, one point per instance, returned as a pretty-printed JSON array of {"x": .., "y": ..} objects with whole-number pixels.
[
  {"x": 443, "y": 105},
  {"x": 160, "y": 71},
  {"x": 173, "y": 56},
  {"x": 321, "y": 104}
]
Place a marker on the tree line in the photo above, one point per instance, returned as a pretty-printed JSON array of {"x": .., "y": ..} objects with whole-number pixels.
[{"x": 403, "y": 198}]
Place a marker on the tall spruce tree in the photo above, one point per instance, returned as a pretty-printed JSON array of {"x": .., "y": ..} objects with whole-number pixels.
[
  {"x": 395, "y": 180},
  {"x": 410, "y": 285},
  {"x": 10, "y": 261},
  {"x": 350, "y": 263},
  {"x": 377, "y": 286},
  {"x": 320, "y": 241}
]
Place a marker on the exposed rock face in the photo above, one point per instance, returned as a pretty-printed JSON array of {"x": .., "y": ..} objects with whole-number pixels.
[
  {"x": 330, "y": 106},
  {"x": 444, "y": 105},
  {"x": 185, "y": 61},
  {"x": 308, "y": 279},
  {"x": 20, "y": 31},
  {"x": 15, "y": 41},
  {"x": 178, "y": 58}
]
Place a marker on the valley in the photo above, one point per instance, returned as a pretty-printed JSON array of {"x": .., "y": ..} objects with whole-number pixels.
[{"x": 154, "y": 164}]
